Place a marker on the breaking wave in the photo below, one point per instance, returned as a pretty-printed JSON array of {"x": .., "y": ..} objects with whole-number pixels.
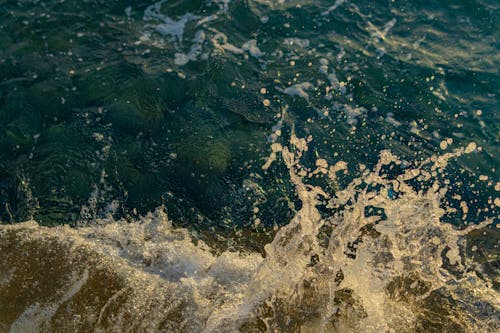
[{"x": 374, "y": 256}]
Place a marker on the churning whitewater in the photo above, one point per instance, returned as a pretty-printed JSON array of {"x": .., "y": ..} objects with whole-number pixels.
[{"x": 382, "y": 262}]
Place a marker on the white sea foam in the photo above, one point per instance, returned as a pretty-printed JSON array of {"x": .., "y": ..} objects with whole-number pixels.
[
  {"x": 300, "y": 42},
  {"x": 195, "y": 51},
  {"x": 352, "y": 114},
  {"x": 220, "y": 42},
  {"x": 252, "y": 48},
  {"x": 299, "y": 90},
  {"x": 165, "y": 25},
  {"x": 330, "y": 9},
  {"x": 173, "y": 30},
  {"x": 36, "y": 316},
  {"x": 332, "y": 76}
]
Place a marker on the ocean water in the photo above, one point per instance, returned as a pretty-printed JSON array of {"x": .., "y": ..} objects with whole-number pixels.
[{"x": 249, "y": 166}]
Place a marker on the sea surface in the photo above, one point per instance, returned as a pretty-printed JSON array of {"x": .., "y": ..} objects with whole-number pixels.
[{"x": 249, "y": 166}]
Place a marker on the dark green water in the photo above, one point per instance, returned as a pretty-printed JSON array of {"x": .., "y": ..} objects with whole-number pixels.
[
  {"x": 87, "y": 90},
  {"x": 110, "y": 109}
]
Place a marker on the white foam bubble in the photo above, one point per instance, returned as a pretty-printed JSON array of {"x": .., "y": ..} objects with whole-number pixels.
[
  {"x": 298, "y": 90},
  {"x": 251, "y": 47}
]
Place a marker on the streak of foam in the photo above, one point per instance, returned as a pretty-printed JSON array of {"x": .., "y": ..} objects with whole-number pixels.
[
  {"x": 298, "y": 90},
  {"x": 37, "y": 315},
  {"x": 330, "y": 9}
]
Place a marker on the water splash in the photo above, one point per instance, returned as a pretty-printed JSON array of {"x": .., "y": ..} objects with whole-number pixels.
[{"x": 380, "y": 260}]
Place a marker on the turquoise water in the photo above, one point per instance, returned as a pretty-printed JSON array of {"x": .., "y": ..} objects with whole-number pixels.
[{"x": 113, "y": 110}]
